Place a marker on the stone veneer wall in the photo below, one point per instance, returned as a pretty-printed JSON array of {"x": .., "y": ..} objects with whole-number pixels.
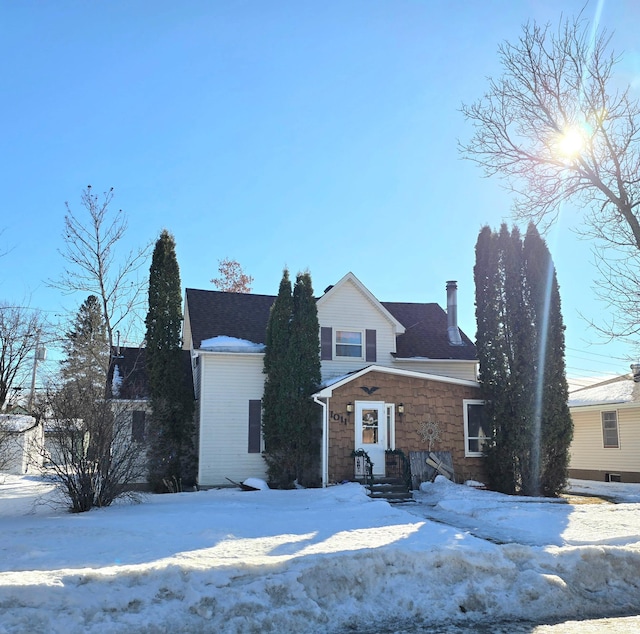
[{"x": 423, "y": 400}]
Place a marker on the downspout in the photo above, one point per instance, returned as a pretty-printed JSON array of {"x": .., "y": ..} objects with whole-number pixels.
[{"x": 325, "y": 441}]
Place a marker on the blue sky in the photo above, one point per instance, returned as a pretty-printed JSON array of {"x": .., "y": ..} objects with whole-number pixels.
[{"x": 313, "y": 135}]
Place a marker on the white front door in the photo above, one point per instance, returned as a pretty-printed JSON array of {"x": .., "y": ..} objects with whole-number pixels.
[{"x": 371, "y": 432}]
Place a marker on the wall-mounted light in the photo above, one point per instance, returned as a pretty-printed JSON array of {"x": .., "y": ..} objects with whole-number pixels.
[
  {"x": 349, "y": 407},
  {"x": 401, "y": 408}
]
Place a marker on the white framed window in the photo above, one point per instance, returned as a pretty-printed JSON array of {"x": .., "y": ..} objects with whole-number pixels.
[
  {"x": 390, "y": 409},
  {"x": 610, "y": 438},
  {"x": 475, "y": 436},
  {"x": 348, "y": 344}
]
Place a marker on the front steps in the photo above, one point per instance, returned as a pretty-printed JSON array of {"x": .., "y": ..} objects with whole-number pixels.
[{"x": 393, "y": 490}]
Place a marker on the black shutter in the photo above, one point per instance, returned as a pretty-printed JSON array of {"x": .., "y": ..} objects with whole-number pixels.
[
  {"x": 326, "y": 344},
  {"x": 255, "y": 413},
  {"x": 137, "y": 425},
  {"x": 370, "y": 339}
]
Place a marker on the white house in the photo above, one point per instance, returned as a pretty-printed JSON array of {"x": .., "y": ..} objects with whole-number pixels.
[
  {"x": 21, "y": 442},
  {"x": 388, "y": 368},
  {"x": 606, "y": 430}
]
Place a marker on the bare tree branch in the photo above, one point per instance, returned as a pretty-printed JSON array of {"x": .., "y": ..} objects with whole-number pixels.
[
  {"x": 556, "y": 129},
  {"x": 20, "y": 328},
  {"x": 95, "y": 266}
]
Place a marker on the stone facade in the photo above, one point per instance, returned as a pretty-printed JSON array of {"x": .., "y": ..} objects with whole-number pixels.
[{"x": 423, "y": 400}]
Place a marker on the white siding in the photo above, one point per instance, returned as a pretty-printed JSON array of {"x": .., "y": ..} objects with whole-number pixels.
[
  {"x": 229, "y": 382},
  {"x": 441, "y": 367},
  {"x": 347, "y": 308},
  {"x": 187, "y": 343},
  {"x": 587, "y": 448}
]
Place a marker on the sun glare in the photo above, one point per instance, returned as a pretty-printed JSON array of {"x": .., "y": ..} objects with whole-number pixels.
[{"x": 571, "y": 142}]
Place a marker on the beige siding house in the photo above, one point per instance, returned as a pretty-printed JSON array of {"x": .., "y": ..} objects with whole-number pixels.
[
  {"x": 387, "y": 368},
  {"x": 606, "y": 436}
]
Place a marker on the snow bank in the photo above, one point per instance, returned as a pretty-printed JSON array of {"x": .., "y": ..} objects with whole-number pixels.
[{"x": 301, "y": 561}]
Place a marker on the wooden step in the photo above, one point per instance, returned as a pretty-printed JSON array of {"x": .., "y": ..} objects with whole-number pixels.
[{"x": 390, "y": 489}]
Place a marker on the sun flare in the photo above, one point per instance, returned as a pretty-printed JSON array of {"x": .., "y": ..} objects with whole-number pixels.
[{"x": 571, "y": 142}]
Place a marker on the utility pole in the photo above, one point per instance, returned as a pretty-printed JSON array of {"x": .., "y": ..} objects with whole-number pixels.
[{"x": 39, "y": 354}]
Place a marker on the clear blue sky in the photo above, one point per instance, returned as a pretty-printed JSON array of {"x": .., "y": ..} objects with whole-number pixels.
[{"x": 316, "y": 135}]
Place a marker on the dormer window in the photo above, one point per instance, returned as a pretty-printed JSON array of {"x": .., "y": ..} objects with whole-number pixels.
[{"x": 349, "y": 343}]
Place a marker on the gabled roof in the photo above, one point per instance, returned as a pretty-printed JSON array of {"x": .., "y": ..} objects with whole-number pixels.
[
  {"x": 425, "y": 333},
  {"x": 350, "y": 277},
  {"x": 621, "y": 390},
  {"x": 245, "y": 316},
  {"x": 218, "y": 313},
  {"x": 329, "y": 386}
]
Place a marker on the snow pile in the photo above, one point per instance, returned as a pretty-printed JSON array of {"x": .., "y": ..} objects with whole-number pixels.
[
  {"x": 309, "y": 561},
  {"x": 230, "y": 344}
]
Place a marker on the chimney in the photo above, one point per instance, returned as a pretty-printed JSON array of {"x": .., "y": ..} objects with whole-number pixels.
[
  {"x": 635, "y": 370},
  {"x": 453, "y": 331}
]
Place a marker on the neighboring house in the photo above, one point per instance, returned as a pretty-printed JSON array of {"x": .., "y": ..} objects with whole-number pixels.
[
  {"x": 21, "y": 441},
  {"x": 129, "y": 389},
  {"x": 606, "y": 430},
  {"x": 388, "y": 369},
  {"x": 129, "y": 393}
]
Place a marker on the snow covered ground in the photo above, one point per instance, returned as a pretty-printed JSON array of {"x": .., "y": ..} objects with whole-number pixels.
[{"x": 314, "y": 560}]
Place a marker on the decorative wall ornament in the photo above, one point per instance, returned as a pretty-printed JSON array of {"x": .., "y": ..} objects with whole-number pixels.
[
  {"x": 430, "y": 432},
  {"x": 369, "y": 390}
]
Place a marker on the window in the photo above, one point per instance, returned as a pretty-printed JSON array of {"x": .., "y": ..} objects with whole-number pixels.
[
  {"x": 610, "y": 430},
  {"x": 349, "y": 343},
  {"x": 475, "y": 436},
  {"x": 137, "y": 425}
]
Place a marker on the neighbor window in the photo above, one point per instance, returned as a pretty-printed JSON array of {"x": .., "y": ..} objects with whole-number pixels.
[
  {"x": 610, "y": 430},
  {"x": 349, "y": 343},
  {"x": 475, "y": 436}
]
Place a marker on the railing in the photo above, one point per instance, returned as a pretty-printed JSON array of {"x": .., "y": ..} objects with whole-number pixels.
[{"x": 397, "y": 465}]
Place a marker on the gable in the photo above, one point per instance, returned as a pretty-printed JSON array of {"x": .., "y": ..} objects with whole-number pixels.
[
  {"x": 352, "y": 300},
  {"x": 329, "y": 386}
]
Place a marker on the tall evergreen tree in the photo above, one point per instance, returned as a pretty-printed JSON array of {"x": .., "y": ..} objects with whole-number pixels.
[
  {"x": 171, "y": 456},
  {"x": 553, "y": 427},
  {"x": 304, "y": 361},
  {"x": 87, "y": 353},
  {"x": 292, "y": 366},
  {"x": 278, "y": 386},
  {"x": 520, "y": 344}
]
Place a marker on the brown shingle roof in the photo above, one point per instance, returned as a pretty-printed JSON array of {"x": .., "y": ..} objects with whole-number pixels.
[
  {"x": 426, "y": 333},
  {"x": 239, "y": 315},
  {"x": 245, "y": 316}
]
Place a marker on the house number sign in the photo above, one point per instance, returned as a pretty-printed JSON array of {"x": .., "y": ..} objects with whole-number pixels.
[{"x": 337, "y": 417}]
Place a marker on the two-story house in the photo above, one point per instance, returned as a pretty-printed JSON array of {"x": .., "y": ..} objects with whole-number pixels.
[{"x": 388, "y": 370}]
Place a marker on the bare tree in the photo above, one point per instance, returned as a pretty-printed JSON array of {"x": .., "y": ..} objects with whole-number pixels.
[
  {"x": 95, "y": 266},
  {"x": 94, "y": 459},
  {"x": 232, "y": 278},
  {"x": 558, "y": 129},
  {"x": 20, "y": 329}
]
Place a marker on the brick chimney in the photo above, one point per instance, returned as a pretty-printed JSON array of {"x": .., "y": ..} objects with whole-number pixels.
[{"x": 453, "y": 331}]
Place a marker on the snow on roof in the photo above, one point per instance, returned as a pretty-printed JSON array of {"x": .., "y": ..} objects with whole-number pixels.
[
  {"x": 223, "y": 343},
  {"x": 622, "y": 389},
  {"x": 17, "y": 422}
]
